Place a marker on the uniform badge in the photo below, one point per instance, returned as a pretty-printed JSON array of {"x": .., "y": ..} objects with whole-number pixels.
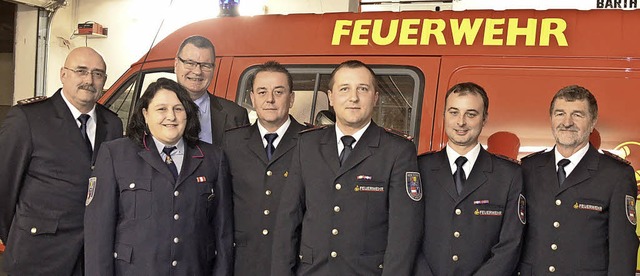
[
  {"x": 588, "y": 207},
  {"x": 481, "y": 202},
  {"x": 92, "y": 190},
  {"x": 201, "y": 179},
  {"x": 522, "y": 209},
  {"x": 631, "y": 208},
  {"x": 376, "y": 189},
  {"x": 488, "y": 213},
  {"x": 413, "y": 185}
]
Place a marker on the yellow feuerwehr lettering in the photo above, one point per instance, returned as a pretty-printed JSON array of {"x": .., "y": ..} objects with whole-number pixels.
[
  {"x": 360, "y": 30},
  {"x": 406, "y": 29},
  {"x": 339, "y": 31},
  {"x": 428, "y": 31},
  {"x": 491, "y": 30},
  {"x": 529, "y": 31},
  {"x": 465, "y": 30},
  {"x": 376, "y": 34},
  {"x": 546, "y": 31}
]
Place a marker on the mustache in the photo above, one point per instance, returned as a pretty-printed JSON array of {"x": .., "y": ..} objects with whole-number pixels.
[
  {"x": 88, "y": 87},
  {"x": 571, "y": 128}
]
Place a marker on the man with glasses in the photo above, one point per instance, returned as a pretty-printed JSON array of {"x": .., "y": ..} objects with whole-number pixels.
[
  {"x": 48, "y": 149},
  {"x": 194, "y": 67}
]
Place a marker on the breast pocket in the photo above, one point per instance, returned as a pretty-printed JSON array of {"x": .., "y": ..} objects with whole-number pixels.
[
  {"x": 135, "y": 198},
  {"x": 206, "y": 197}
]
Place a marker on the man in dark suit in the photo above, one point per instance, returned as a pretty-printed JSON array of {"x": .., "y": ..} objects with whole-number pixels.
[
  {"x": 474, "y": 209},
  {"x": 581, "y": 202},
  {"x": 194, "y": 66},
  {"x": 48, "y": 151},
  {"x": 353, "y": 204},
  {"x": 259, "y": 157}
]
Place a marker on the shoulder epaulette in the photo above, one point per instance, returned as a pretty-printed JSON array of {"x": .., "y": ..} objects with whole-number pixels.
[
  {"x": 534, "y": 154},
  {"x": 504, "y": 157},
  {"x": 237, "y": 127},
  {"x": 399, "y": 133},
  {"x": 427, "y": 153},
  {"x": 32, "y": 100},
  {"x": 313, "y": 128},
  {"x": 616, "y": 157}
]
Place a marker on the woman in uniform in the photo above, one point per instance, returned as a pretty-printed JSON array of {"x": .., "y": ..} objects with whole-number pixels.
[{"x": 159, "y": 200}]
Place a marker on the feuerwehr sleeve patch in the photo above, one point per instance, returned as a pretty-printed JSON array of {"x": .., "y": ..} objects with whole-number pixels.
[
  {"x": 630, "y": 203},
  {"x": 91, "y": 191},
  {"x": 522, "y": 209},
  {"x": 413, "y": 185}
]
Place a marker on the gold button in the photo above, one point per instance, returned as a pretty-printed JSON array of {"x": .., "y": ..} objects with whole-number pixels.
[
  {"x": 265, "y": 232},
  {"x": 132, "y": 185},
  {"x": 176, "y": 217},
  {"x": 176, "y": 240},
  {"x": 266, "y": 212},
  {"x": 269, "y": 173},
  {"x": 556, "y": 224},
  {"x": 552, "y": 269},
  {"x": 458, "y": 212},
  {"x": 456, "y": 234},
  {"x": 334, "y": 232},
  {"x": 554, "y": 247},
  {"x": 334, "y": 254},
  {"x": 115, "y": 255},
  {"x": 455, "y": 258},
  {"x": 336, "y": 209},
  {"x": 34, "y": 230},
  {"x": 174, "y": 263},
  {"x": 338, "y": 186},
  {"x": 176, "y": 193},
  {"x": 558, "y": 202},
  {"x": 267, "y": 192}
]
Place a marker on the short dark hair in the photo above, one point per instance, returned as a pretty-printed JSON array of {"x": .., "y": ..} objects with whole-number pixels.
[
  {"x": 271, "y": 66},
  {"x": 464, "y": 88},
  {"x": 137, "y": 128},
  {"x": 575, "y": 92},
  {"x": 353, "y": 64},
  {"x": 199, "y": 42}
]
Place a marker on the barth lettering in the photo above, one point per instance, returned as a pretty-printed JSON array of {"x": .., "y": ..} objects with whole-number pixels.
[{"x": 617, "y": 4}]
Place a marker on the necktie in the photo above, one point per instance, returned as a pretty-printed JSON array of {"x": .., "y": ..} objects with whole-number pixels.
[
  {"x": 347, "y": 141},
  {"x": 170, "y": 164},
  {"x": 84, "y": 118},
  {"x": 562, "y": 175},
  {"x": 270, "y": 148},
  {"x": 459, "y": 176}
]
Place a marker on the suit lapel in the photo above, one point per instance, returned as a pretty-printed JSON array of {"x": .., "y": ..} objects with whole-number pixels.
[
  {"x": 443, "y": 174},
  {"x": 478, "y": 174},
  {"x": 152, "y": 157},
  {"x": 101, "y": 132},
  {"x": 254, "y": 142},
  {"x": 218, "y": 120},
  {"x": 546, "y": 170},
  {"x": 65, "y": 121},
  {"x": 583, "y": 171},
  {"x": 192, "y": 159},
  {"x": 289, "y": 140},
  {"x": 329, "y": 149},
  {"x": 364, "y": 148}
]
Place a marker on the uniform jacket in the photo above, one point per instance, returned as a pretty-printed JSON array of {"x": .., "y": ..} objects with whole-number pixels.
[
  {"x": 141, "y": 222},
  {"x": 478, "y": 232},
  {"x": 225, "y": 115},
  {"x": 357, "y": 219},
  {"x": 44, "y": 169},
  {"x": 257, "y": 186},
  {"x": 583, "y": 227}
]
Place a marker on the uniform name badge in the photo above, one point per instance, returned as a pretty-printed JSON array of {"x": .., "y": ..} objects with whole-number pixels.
[
  {"x": 413, "y": 185},
  {"x": 630, "y": 203},
  {"x": 91, "y": 191}
]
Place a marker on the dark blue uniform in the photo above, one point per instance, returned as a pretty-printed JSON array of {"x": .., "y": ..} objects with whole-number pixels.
[
  {"x": 258, "y": 184},
  {"x": 44, "y": 167},
  {"x": 141, "y": 222}
]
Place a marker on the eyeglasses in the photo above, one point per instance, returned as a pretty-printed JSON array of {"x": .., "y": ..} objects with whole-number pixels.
[
  {"x": 84, "y": 72},
  {"x": 189, "y": 64}
]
